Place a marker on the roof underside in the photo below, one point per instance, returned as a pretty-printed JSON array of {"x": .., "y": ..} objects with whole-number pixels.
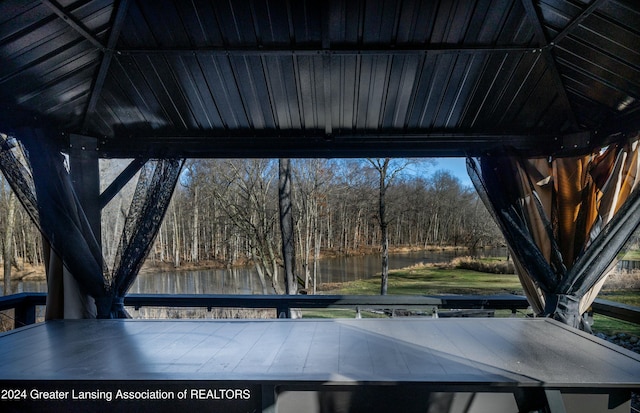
[{"x": 323, "y": 78}]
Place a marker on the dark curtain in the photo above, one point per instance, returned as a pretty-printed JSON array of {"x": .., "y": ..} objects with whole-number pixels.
[
  {"x": 149, "y": 204},
  {"x": 565, "y": 220},
  {"x": 36, "y": 171}
]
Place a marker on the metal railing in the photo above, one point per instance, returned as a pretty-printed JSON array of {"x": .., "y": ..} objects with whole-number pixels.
[
  {"x": 24, "y": 304},
  {"x": 283, "y": 304}
]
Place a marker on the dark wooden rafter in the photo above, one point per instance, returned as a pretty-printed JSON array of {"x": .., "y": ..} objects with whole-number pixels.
[
  {"x": 545, "y": 49},
  {"x": 536, "y": 25},
  {"x": 120, "y": 181},
  {"x": 595, "y": 4},
  {"x": 311, "y": 86},
  {"x": 630, "y": 121},
  {"x": 326, "y": 70},
  {"x": 334, "y": 51},
  {"x": 73, "y": 22},
  {"x": 85, "y": 176},
  {"x": 118, "y": 22},
  {"x": 567, "y": 31},
  {"x": 294, "y": 145}
]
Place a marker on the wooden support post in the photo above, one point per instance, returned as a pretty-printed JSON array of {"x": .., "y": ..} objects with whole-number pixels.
[
  {"x": 268, "y": 398},
  {"x": 531, "y": 400},
  {"x": 283, "y": 310},
  {"x": 85, "y": 175},
  {"x": 619, "y": 397},
  {"x": 24, "y": 314},
  {"x": 85, "y": 178},
  {"x": 120, "y": 181},
  {"x": 554, "y": 401}
]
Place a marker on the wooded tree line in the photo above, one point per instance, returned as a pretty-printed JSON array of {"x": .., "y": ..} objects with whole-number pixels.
[
  {"x": 21, "y": 241},
  {"x": 226, "y": 211}
]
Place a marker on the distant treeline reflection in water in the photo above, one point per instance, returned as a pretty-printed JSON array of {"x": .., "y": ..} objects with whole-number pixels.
[{"x": 246, "y": 281}]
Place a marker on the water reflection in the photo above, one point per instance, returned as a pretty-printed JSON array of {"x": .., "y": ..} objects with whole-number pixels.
[
  {"x": 246, "y": 281},
  {"x": 216, "y": 281},
  {"x": 26, "y": 286}
]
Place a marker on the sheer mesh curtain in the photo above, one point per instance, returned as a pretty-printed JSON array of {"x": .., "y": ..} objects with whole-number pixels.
[
  {"x": 37, "y": 173},
  {"x": 150, "y": 201},
  {"x": 565, "y": 220}
]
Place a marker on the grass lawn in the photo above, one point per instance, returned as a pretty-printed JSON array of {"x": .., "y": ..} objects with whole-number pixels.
[
  {"x": 611, "y": 326},
  {"x": 428, "y": 280},
  {"x": 433, "y": 280},
  {"x": 630, "y": 297},
  {"x": 632, "y": 255}
]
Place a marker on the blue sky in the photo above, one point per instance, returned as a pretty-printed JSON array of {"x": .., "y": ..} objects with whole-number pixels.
[{"x": 456, "y": 166}]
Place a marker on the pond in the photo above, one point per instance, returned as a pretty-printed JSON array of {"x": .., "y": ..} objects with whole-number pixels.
[{"x": 246, "y": 281}]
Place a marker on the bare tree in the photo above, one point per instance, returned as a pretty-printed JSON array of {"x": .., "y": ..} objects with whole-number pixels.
[
  {"x": 388, "y": 170},
  {"x": 7, "y": 250},
  {"x": 248, "y": 196},
  {"x": 313, "y": 188},
  {"x": 227, "y": 210},
  {"x": 286, "y": 225}
]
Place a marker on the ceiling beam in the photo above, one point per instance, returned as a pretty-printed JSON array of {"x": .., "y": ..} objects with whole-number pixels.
[
  {"x": 121, "y": 181},
  {"x": 340, "y": 145},
  {"x": 98, "y": 84},
  {"x": 545, "y": 46},
  {"x": 73, "y": 22},
  {"x": 532, "y": 15},
  {"x": 332, "y": 51},
  {"x": 595, "y": 4},
  {"x": 626, "y": 124},
  {"x": 326, "y": 71}
]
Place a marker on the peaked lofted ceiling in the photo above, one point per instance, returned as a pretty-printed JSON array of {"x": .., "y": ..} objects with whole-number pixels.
[{"x": 323, "y": 78}]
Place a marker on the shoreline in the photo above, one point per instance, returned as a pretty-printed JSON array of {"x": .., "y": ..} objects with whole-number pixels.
[{"x": 37, "y": 273}]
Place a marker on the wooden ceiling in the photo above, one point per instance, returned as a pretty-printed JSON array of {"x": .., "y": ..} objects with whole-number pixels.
[{"x": 334, "y": 78}]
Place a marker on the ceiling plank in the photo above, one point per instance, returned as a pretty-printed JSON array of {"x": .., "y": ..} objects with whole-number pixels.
[
  {"x": 96, "y": 91},
  {"x": 121, "y": 181},
  {"x": 334, "y": 51},
  {"x": 532, "y": 14},
  {"x": 595, "y": 4},
  {"x": 342, "y": 145},
  {"x": 326, "y": 71},
  {"x": 73, "y": 22}
]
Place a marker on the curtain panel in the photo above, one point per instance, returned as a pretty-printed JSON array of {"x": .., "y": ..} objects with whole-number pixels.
[{"x": 565, "y": 220}]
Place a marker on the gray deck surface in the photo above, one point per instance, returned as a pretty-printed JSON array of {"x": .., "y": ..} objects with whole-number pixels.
[{"x": 445, "y": 351}]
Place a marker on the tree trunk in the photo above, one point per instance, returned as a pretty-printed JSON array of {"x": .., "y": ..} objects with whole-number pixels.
[
  {"x": 316, "y": 258},
  {"x": 384, "y": 229},
  {"x": 7, "y": 252},
  {"x": 384, "y": 283},
  {"x": 196, "y": 228},
  {"x": 176, "y": 240},
  {"x": 286, "y": 225},
  {"x": 263, "y": 281}
]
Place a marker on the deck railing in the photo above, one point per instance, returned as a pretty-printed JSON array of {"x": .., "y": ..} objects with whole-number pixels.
[{"x": 25, "y": 304}]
